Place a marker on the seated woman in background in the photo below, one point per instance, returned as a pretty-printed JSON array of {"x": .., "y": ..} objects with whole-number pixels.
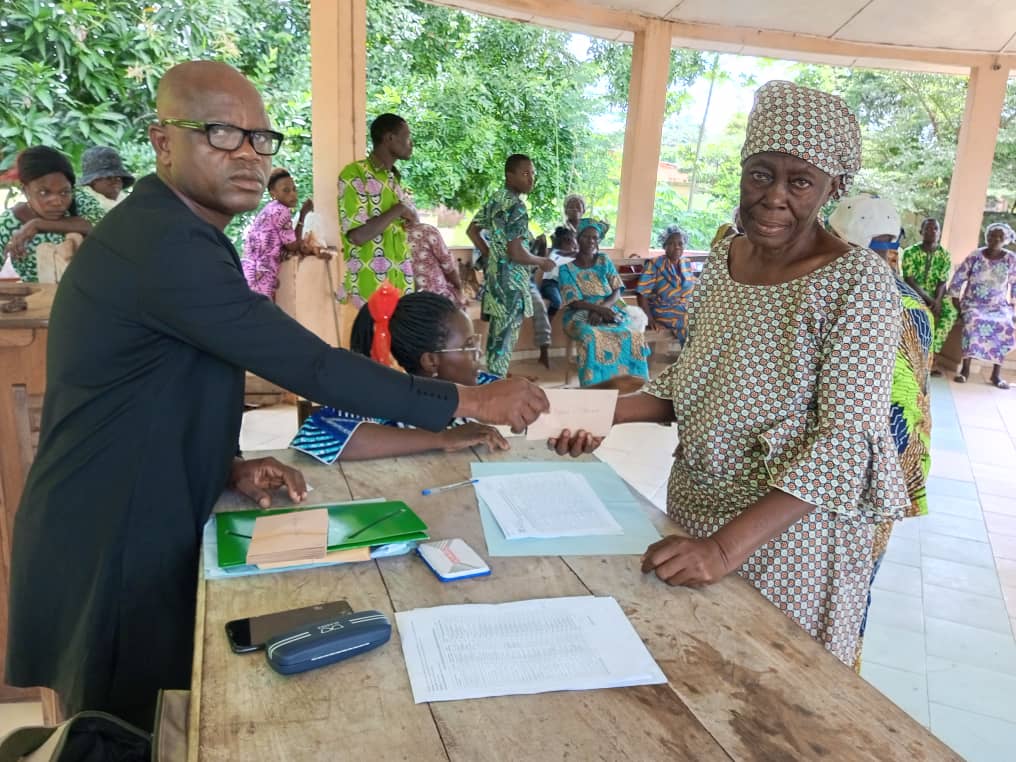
[
  {"x": 435, "y": 269},
  {"x": 666, "y": 283},
  {"x": 271, "y": 238},
  {"x": 428, "y": 336},
  {"x": 610, "y": 344},
  {"x": 984, "y": 287},
  {"x": 103, "y": 179},
  {"x": 49, "y": 215}
]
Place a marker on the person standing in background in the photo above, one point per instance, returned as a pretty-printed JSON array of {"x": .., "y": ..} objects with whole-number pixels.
[
  {"x": 373, "y": 210},
  {"x": 507, "y": 298}
]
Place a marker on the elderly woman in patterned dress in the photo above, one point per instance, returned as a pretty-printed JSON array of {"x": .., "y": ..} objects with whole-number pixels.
[
  {"x": 984, "y": 287},
  {"x": 781, "y": 396}
]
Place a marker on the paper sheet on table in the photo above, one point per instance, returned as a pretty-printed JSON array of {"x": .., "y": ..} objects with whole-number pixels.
[
  {"x": 639, "y": 532},
  {"x": 589, "y": 409},
  {"x": 550, "y": 644},
  {"x": 541, "y": 505}
]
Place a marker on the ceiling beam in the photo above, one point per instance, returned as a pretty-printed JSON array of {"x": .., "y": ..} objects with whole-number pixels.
[{"x": 601, "y": 21}]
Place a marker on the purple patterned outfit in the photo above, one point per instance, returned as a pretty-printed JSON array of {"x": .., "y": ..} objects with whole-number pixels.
[
  {"x": 985, "y": 289},
  {"x": 263, "y": 247}
]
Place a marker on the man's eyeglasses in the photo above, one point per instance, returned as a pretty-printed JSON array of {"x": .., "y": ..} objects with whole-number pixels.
[
  {"x": 228, "y": 137},
  {"x": 472, "y": 345}
]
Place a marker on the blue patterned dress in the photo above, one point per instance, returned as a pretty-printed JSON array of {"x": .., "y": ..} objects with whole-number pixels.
[
  {"x": 325, "y": 434},
  {"x": 608, "y": 350}
]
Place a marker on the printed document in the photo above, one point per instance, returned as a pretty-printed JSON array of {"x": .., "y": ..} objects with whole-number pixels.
[
  {"x": 545, "y": 504},
  {"x": 473, "y": 651}
]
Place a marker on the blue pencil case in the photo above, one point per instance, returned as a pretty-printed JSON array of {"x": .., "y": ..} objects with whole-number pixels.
[{"x": 322, "y": 643}]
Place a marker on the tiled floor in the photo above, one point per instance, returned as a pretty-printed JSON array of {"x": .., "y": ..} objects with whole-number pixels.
[{"x": 940, "y": 633}]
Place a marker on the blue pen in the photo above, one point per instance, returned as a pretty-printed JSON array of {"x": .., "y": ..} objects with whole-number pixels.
[{"x": 435, "y": 490}]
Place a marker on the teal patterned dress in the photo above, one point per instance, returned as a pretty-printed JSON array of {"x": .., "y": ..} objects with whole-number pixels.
[
  {"x": 506, "y": 299},
  {"x": 608, "y": 350}
]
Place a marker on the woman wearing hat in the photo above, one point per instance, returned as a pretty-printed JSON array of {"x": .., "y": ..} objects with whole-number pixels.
[
  {"x": 103, "y": 177},
  {"x": 49, "y": 216},
  {"x": 781, "y": 394},
  {"x": 609, "y": 344}
]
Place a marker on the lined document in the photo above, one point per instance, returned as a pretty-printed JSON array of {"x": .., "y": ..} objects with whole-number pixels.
[
  {"x": 545, "y": 504},
  {"x": 550, "y": 644}
]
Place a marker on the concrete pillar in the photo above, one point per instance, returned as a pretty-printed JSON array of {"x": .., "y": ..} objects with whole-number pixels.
[
  {"x": 647, "y": 100},
  {"x": 975, "y": 151},
  {"x": 338, "y": 44}
]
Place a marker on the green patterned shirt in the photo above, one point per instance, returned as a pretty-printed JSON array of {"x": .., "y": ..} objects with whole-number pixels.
[
  {"x": 504, "y": 218},
  {"x": 366, "y": 191}
]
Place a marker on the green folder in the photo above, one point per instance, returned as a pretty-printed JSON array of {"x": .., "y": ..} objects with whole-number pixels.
[{"x": 349, "y": 526}]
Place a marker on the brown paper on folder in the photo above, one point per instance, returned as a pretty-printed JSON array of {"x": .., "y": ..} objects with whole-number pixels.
[
  {"x": 591, "y": 410},
  {"x": 289, "y": 537}
]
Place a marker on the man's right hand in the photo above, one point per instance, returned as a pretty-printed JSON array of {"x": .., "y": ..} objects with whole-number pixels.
[
  {"x": 409, "y": 214},
  {"x": 515, "y": 402}
]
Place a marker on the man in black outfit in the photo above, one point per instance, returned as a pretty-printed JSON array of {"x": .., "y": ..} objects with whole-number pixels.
[{"x": 150, "y": 333}]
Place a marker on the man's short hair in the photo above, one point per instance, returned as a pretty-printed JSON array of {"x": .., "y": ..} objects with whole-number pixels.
[
  {"x": 515, "y": 161},
  {"x": 383, "y": 125}
]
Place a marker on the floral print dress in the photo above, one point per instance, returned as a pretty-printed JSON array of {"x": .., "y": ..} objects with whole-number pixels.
[
  {"x": 787, "y": 387},
  {"x": 985, "y": 289},
  {"x": 263, "y": 248},
  {"x": 607, "y": 350}
]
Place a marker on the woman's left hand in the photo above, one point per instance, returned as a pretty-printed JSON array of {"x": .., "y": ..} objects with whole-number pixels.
[
  {"x": 24, "y": 234},
  {"x": 686, "y": 561}
]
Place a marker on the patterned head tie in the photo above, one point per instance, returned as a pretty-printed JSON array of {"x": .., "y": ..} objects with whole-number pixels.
[
  {"x": 589, "y": 222},
  {"x": 672, "y": 231},
  {"x": 1009, "y": 235},
  {"x": 812, "y": 125}
]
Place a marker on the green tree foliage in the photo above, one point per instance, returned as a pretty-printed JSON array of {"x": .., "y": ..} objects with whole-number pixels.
[
  {"x": 614, "y": 61},
  {"x": 475, "y": 90},
  {"x": 910, "y": 123}
]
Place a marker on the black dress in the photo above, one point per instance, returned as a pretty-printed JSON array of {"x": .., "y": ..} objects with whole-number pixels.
[{"x": 150, "y": 333}]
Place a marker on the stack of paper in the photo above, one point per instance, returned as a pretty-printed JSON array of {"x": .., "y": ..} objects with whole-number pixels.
[
  {"x": 548, "y": 504},
  {"x": 550, "y": 644},
  {"x": 296, "y": 536}
]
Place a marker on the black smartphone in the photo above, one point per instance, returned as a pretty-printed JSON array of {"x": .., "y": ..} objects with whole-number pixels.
[{"x": 250, "y": 634}]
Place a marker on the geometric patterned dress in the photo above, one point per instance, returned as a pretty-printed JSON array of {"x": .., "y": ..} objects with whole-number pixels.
[{"x": 787, "y": 387}]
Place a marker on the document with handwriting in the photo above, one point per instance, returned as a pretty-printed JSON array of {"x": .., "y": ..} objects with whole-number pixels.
[
  {"x": 473, "y": 651},
  {"x": 591, "y": 410},
  {"x": 545, "y": 504}
]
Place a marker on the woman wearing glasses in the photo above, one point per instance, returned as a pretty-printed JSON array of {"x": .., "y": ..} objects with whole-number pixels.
[
  {"x": 428, "y": 336},
  {"x": 48, "y": 215}
]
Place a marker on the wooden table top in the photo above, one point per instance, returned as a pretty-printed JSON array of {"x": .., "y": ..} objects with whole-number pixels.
[
  {"x": 37, "y": 315},
  {"x": 745, "y": 682}
]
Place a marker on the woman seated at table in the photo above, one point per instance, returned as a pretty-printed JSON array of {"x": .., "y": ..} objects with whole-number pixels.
[
  {"x": 610, "y": 343},
  {"x": 50, "y": 213},
  {"x": 786, "y": 462},
  {"x": 428, "y": 336},
  {"x": 666, "y": 283}
]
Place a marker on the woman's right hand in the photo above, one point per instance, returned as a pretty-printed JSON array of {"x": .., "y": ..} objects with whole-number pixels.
[
  {"x": 469, "y": 434},
  {"x": 581, "y": 443},
  {"x": 16, "y": 247}
]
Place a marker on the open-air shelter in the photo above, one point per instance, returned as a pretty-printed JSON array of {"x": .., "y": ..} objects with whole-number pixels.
[{"x": 976, "y": 39}]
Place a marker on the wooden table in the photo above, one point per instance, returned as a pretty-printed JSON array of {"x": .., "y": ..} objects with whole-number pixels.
[
  {"x": 22, "y": 364},
  {"x": 744, "y": 681}
]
